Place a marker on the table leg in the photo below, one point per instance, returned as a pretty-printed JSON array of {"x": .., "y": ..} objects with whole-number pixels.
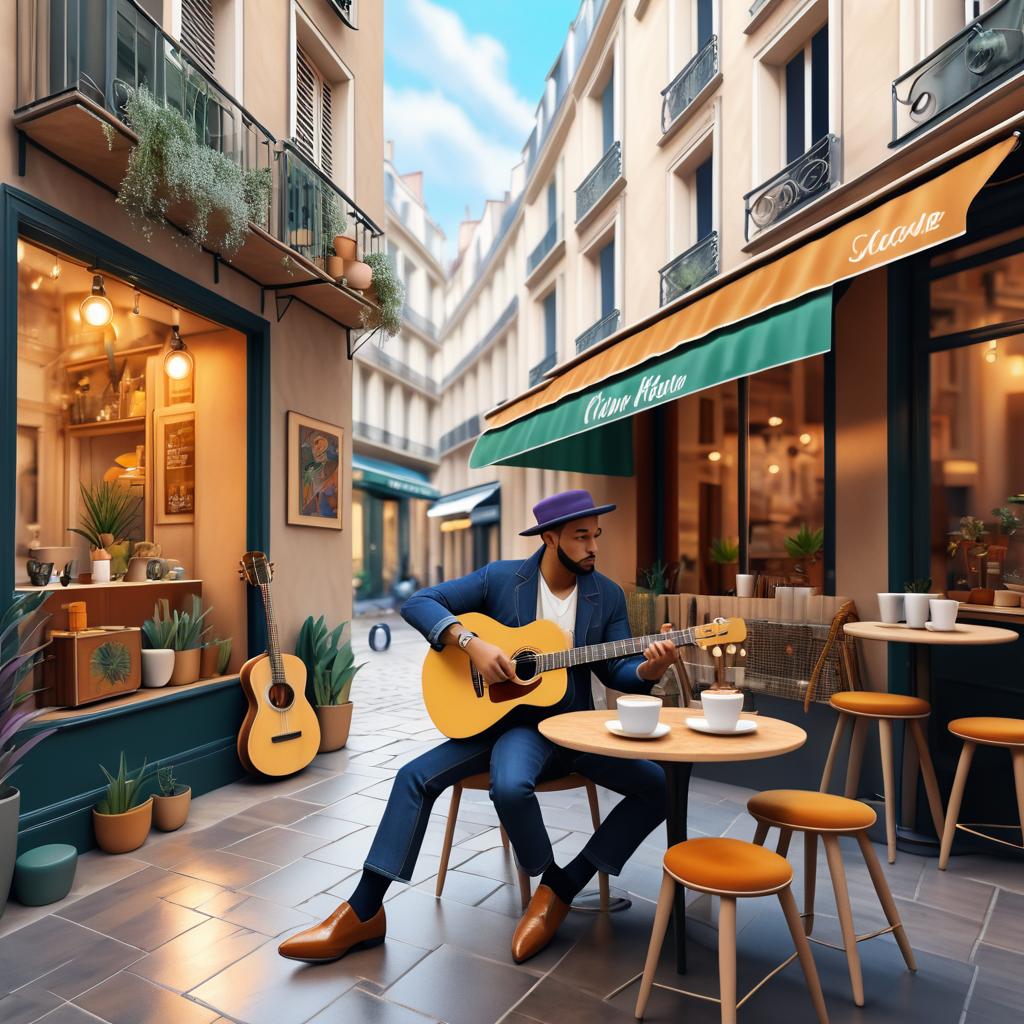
[
  {"x": 677, "y": 782},
  {"x": 921, "y": 679}
]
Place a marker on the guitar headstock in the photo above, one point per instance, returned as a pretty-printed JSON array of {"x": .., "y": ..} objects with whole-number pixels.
[
  {"x": 255, "y": 569},
  {"x": 720, "y": 631}
]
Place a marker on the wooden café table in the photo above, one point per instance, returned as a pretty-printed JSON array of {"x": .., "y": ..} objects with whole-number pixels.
[{"x": 677, "y": 752}]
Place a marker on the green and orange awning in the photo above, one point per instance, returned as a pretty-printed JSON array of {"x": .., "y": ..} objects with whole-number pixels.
[{"x": 776, "y": 313}]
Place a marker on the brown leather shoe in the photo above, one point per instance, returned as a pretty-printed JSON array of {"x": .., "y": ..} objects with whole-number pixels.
[
  {"x": 330, "y": 940},
  {"x": 538, "y": 924}
]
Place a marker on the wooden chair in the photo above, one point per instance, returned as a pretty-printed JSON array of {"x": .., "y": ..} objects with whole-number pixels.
[{"x": 483, "y": 782}]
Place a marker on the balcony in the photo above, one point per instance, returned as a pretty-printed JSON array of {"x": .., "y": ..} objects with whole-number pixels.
[
  {"x": 544, "y": 247},
  {"x": 380, "y": 436},
  {"x": 418, "y": 322},
  {"x": 682, "y": 92},
  {"x": 343, "y": 8},
  {"x": 807, "y": 177},
  {"x": 75, "y": 75},
  {"x": 465, "y": 431},
  {"x": 375, "y": 354},
  {"x": 988, "y": 51},
  {"x": 537, "y": 372},
  {"x": 497, "y": 328},
  {"x": 599, "y": 182},
  {"x": 698, "y": 264},
  {"x": 604, "y": 328}
]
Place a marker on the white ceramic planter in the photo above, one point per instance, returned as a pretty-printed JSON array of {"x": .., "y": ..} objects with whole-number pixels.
[
  {"x": 157, "y": 667},
  {"x": 10, "y": 801},
  {"x": 916, "y": 607},
  {"x": 101, "y": 571}
]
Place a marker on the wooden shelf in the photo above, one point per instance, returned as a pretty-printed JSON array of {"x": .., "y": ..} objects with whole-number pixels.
[
  {"x": 129, "y": 425},
  {"x": 990, "y": 611}
]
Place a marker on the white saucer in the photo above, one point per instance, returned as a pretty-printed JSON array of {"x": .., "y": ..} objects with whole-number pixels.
[
  {"x": 935, "y": 629},
  {"x": 615, "y": 727},
  {"x": 744, "y": 725}
]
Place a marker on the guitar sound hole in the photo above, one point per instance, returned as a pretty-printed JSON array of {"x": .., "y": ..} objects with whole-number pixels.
[
  {"x": 281, "y": 696},
  {"x": 526, "y": 665}
]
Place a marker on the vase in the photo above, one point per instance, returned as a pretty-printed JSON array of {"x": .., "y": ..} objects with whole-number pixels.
[
  {"x": 358, "y": 276},
  {"x": 122, "y": 833},
  {"x": 171, "y": 812},
  {"x": 345, "y": 247},
  {"x": 101, "y": 571},
  {"x": 186, "y": 667},
  {"x": 335, "y": 267},
  {"x": 208, "y": 661},
  {"x": 157, "y": 667},
  {"x": 10, "y": 803},
  {"x": 335, "y": 722}
]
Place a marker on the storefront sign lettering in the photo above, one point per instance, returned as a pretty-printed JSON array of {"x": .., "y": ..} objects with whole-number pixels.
[
  {"x": 878, "y": 241},
  {"x": 652, "y": 388}
]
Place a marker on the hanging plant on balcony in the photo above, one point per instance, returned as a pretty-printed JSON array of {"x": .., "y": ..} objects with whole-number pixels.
[
  {"x": 169, "y": 166},
  {"x": 387, "y": 314}
]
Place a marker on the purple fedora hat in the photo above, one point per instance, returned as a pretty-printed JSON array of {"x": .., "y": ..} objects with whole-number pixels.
[{"x": 563, "y": 508}]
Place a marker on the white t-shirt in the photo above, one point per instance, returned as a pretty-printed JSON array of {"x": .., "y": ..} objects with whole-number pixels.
[{"x": 557, "y": 609}]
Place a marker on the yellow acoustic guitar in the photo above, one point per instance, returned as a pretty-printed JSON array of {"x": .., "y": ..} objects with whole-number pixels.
[
  {"x": 281, "y": 733},
  {"x": 461, "y": 704}
]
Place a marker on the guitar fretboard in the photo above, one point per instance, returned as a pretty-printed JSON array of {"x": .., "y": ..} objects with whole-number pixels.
[
  {"x": 612, "y": 649},
  {"x": 273, "y": 640}
]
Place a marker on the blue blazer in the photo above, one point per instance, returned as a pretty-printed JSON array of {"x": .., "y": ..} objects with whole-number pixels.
[{"x": 507, "y": 591}]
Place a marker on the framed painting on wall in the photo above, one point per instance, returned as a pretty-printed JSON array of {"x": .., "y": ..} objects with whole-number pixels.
[
  {"x": 314, "y": 472},
  {"x": 175, "y": 465}
]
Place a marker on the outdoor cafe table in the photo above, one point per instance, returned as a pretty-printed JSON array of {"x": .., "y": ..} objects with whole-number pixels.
[{"x": 677, "y": 752}]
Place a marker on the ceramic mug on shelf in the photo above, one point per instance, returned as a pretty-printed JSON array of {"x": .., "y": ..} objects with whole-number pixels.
[
  {"x": 638, "y": 713},
  {"x": 744, "y": 585},
  {"x": 890, "y": 607}
]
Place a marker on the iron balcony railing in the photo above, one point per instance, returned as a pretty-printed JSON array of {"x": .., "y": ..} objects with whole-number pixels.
[
  {"x": 544, "y": 246},
  {"x": 987, "y": 51},
  {"x": 343, "y": 8},
  {"x": 105, "y": 49},
  {"x": 484, "y": 343},
  {"x": 695, "y": 266},
  {"x": 378, "y": 435},
  {"x": 604, "y": 327},
  {"x": 688, "y": 84},
  {"x": 312, "y": 208},
  {"x": 375, "y": 354},
  {"x": 756, "y": 6},
  {"x": 599, "y": 180},
  {"x": 808, "y": 176},
  {"x": 464, "y": 432},
  {"x": 419, "y": 322},
  {"x": 537, "y": 372}
]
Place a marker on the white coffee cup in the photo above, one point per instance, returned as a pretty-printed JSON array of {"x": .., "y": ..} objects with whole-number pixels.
[
  {"x": 744, "y": 585},
  {"x": 890, "y": 607},
  {"x": 916, "y": 607},
  {"x": 722, "y": 710},
  {"x": 943, "y": 613},
  {"x": 638, "y": 713}
]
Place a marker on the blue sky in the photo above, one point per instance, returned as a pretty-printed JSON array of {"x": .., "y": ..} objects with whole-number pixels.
[{"x": 462, "y": 79}]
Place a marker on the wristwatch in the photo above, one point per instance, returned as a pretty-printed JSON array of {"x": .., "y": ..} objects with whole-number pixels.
[{"x": 464, "y": 637}]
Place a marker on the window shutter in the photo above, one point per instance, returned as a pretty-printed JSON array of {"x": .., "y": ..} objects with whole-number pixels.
[
  {"x": 305, "y": 105},
  {"x": 326, "y": 129},
  {"x": 197, "y": 35}
]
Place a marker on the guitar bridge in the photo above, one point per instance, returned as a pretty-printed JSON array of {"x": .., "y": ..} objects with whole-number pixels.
[{"x": 285, "y": 736}]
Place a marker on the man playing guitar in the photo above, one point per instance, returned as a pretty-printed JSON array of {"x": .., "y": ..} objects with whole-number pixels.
[{"x": 558, "y": 582}]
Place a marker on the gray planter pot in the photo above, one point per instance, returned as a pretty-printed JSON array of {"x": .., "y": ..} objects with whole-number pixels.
[{"x": 10, "y": 802}]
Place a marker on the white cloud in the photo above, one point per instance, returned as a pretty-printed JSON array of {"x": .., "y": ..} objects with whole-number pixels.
[{"x": 471, "y": 67}]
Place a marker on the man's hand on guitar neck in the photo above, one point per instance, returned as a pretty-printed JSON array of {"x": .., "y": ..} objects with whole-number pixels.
[{"x": 493, "y": 664}]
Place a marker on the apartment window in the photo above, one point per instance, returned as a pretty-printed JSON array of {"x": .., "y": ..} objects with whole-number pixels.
[
  {"x": 606, "y": 274},
  {"x": 552, "y": 203},
  {"x": 551, "y": 323},
  {"x": 314, "y": 126},
  {"x": 608, "y": 114},
  {"x": 703, "y": 197},
  {"x": 806, "y": 96},
  {"x": 705, "y": 23}
]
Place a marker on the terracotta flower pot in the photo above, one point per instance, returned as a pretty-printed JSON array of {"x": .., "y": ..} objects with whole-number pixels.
[
  {"x": 122, "y": 833},
  {"x": 345, "y": 247},
  {"x": 186, "y": 667},
  {"x": 335, "y": 267},
  {"x": 208, "y": 661},
  {"x": 10, "y": 802},
  {"x": 335, "y": 722},
  {"x": 171, "y": 812},
  {"x": 358, "y": 275}
]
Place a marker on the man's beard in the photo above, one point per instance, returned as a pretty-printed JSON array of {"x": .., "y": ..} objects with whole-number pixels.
[{"x": 574, "y": 567}]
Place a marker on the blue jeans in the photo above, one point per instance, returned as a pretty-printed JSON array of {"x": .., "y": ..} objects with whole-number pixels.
[{"x": 518, "y": 759}]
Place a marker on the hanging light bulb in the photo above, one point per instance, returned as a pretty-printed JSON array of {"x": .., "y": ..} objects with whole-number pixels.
[
  {"x": 715, "y": 456},
  {"x": 805, "y": 439},
  {"x": 135, "y": 305},
  {"x": 993, "y": 352},
  {"x": 55, "y": 269},
  {"x": 96, "y": 308},
  {"x": 37, "y": 283},
  {"x": 774, "y": 468},
  {"x": 178, "y": 361},
  {"x": 774, "y": 421}
]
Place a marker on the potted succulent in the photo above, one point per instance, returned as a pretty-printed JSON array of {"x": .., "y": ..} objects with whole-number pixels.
[
  {"x": 109, "y": 513},
  {"x": 122, "y": 819},
  {"x": 181, "y": 632},
  {"x": 158, "y": 635},
  {"x": 17, "y": 658},
  {"x": 171, "y": 802},
  {"x": 390, "y": 295},
  {"x": 329, "y": 674},
  {"x": 805, "y": 550},
  {"x": 215, "y": 657},
  {"x": 916, "y": 597},
  {"x": 725, "y": 553}
]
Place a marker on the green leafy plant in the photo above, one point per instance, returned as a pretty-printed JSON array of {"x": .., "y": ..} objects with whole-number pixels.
[
  {"x": 111, "y": 662},
  {"x": 1009, "y": 521},
  {"x": 223, "y": 652},
  {"x": 806, "y": 543},
  {"x": 335, "y": 220},
  {"x": 166, "y": 781},
  {"x": 169, "y": 165},
  {"x": 176, "y": 631},
  {"x": 971, "y": 529},
  {"x": 124, "y": 791},
  {"x": 921, "y": 586},
  {"x": 387, "y": 314},
  {"x": 109, "y": 509},
  {"x": 159, "y": 632},
  {"x": 19, "y": 653},
  {"x": 724, "y": 550},
  {"x": 328, "y": 660},
  {"x": 655, "y": 579}
]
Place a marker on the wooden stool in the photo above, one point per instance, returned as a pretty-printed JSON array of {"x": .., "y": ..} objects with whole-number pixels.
[
  {"x": 730, "y": 869},
  {"x": 991, "y": 732},
  {"x": 859, "y": 707},
  {"x": 814, "y": 814},
  {"x": 483, "y": 782}
]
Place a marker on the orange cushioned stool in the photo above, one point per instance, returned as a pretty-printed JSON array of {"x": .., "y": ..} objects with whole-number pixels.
[
  {"x": 814, "y": 814},
  {"x": 730, "y": 869},
  {"x": 990, "y": 732},
  {"x": 860, "y": 707}
]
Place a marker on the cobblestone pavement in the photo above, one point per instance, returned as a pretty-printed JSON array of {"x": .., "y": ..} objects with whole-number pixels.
[{"x": 186, "y": 928}]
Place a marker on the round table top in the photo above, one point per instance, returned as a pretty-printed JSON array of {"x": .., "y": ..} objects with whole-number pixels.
[
  {"x": 585, "y": 731},
  {"x": 965, "y": 633}
]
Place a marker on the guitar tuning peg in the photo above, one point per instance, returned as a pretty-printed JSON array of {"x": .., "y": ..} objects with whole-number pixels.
[
  {"x": 743, "y": 652},
  {"x": 731, "y": 649},
  {"x": 716, "y": 651}
]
